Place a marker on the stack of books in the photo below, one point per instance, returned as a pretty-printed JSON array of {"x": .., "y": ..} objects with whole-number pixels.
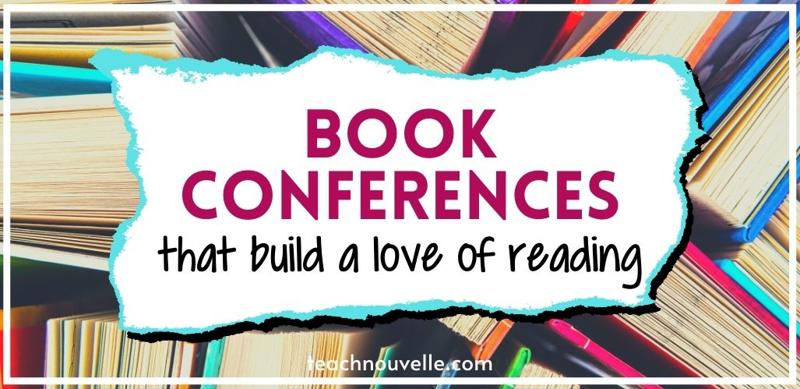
[{"x": 720, "y": 315}]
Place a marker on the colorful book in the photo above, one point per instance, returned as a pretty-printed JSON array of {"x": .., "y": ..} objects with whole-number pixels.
[
  {"x": 762, "y": 267},
  {"x": 449, "y": 372},
  {"x": 313, "y": 29},
  {"x": 32, "y": 79},
  {"x": 510, "y": 47},
  {"x": 709, "y": 323},
  {"x": 746, "y": 154},
  {"x": 485, "y": 333},
  {"x": 672, "y": 33},
  {"x": 591, "y": 28},
  {"x": 708, "y": 269},
  {"x": 521, "y": 359},
  {"x": 489, "y": 346},
  {"x": 735, "y": 272},
  {"x": 549, "y": 350},
  {"x": 41, "y": 292},
  {"x": 385, "y": 355},
  {"x": 213, "y": 360},
  {"x": 603, "y": 356},
  {"x": 775, "y": 39},
  {"x": 632, "y": 346}
]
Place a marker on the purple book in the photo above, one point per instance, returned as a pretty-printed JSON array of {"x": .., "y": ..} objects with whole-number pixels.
[{"x": 313, "y": 29}]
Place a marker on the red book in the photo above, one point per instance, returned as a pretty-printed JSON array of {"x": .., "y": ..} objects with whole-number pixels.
[
  {"x": 27, "y": 347},
  {"x": 519, "y": 41}
]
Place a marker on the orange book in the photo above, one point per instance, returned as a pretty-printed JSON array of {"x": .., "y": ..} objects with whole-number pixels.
[
  {"x": 593, "y": 33},
  {"x": 708, "y": 37},
  {"x": 485, "y": 350}
]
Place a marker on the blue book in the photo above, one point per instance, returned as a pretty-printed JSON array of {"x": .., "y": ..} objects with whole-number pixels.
[
  {"x": 777, "y": 39},
  {"x": 53, "y": 80},
  {"x": 735, "y": 272},
  {"x": 767, "y": 210},
  {"x": 449, "y": 372}
]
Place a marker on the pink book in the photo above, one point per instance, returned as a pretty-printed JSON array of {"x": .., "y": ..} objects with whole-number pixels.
[
  {"x": 736, "y": 293},
  {"x": 605, "y": 357}
]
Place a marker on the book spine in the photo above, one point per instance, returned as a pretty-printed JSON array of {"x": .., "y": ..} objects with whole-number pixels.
[
  {"x": 213, "y": 362},
  {"x": 27, "y": 353},
  {"x": 486, "y": 350},
  {"x": 53, "y": 80}
]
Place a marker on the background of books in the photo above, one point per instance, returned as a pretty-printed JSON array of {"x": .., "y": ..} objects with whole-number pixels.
[{"x": 723, "y": 307}]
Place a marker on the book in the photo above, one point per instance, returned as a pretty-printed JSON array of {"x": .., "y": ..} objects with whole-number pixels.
[
  {"x": 746, "y": 45},
  {"x": 741, "y": 175},
  {"x": 751, "y": 286},
  {"x": 92, "y": 345},
  {"x": 615, "y": 32},
  {"x": 512, "y": 48},
  {"x": 707, "y": 322},
  {"x": 74, "y": 46},
  {"x": 81, "y": 215},
  {"x": 485, "y": 350},
  {"x": 778, "y": 225},
  {"x": 711, "y": 34},
  {"x": 632, "y": 346},
  {"x": 593, "y": 349},
  {"x": 32, "y": 79},
  {"x": 518, "y": 363},
  {"x": 590, "y": 29},
  {"x": 287, "y": 353},
  {"x": 694, "y": 37},
  {"x": 671, "y": 335},
  {"x": 674, "y": 33},
  {"x": 644, "y": 34},
  {"x": 39, "y": 292},
  {"x": 549, "y": 350},
  {"x": 385, "y": 355},
  {"x": 475, "y": 328},
  {"x": 762, "y": 266},
  {"x": 70, "y": 38},
  {"x": 485, "y": 333}
]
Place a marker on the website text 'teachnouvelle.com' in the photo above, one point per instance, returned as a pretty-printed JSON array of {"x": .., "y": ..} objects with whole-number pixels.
[{"x": 425, "y": 362}]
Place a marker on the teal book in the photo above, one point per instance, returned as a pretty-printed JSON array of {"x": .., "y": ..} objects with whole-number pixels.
[
  {"x": 213, "y": 360},
  {"x": 31, "y": 79},
  {"x": 734, "y": 271}
]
